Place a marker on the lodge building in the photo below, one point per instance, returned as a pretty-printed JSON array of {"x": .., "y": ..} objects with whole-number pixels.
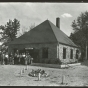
[{"x": 46, "y": 41}]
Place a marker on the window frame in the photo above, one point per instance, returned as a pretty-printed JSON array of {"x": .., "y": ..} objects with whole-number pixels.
[
  {"x": 64, "y": 53},
  {"x": 71, "y": 53},
  {"x": 45, "y": 52}
]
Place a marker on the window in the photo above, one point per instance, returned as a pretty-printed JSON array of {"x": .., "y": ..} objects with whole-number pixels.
[
  {"x": 71, "y": 54},
  {"x": 45, "y": 53},
  {"x": 64, "y": 53},
  {"x": 77, "y": 52}
]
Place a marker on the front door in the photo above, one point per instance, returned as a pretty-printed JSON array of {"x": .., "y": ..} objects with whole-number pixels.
[{"x": 34, "y": 53}]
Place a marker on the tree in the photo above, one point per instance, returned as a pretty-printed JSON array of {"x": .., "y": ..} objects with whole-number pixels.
[
  {"x": 32, "y": 26},
  {"x": 9, "y": 31},
  {"x": 24, "y": 30},
  {"x": 80, "y": 27}
]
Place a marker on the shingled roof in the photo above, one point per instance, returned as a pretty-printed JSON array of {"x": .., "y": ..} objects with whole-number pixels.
[{"x": 46, "y": 32}]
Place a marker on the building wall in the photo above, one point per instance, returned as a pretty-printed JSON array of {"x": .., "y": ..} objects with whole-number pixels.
[
  {"x": 52, "y": 48},
  {"x": 68, "y": 59}
]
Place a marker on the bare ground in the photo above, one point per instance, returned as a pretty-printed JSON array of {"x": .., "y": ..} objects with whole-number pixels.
[{"x": 74, "y": 76}]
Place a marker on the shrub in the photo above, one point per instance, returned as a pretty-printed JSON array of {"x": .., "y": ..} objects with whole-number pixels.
[
  {"x": 35, "y": 61},
  {"x": 53, "y": 61},
  {"x": 50, "y": 61},
  {"x": 81, "y": 59},
  {"x": 46, "y": 61},
  {"x": 58, "y": 61},
  {"x": 40, "y": 60}
]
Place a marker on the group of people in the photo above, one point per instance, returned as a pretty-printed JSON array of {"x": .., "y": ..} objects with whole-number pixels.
[{"x": 17, "y": 58}]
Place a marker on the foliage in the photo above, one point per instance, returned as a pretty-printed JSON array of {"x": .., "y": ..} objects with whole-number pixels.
[
  {"x": 80, "y": 28},
  {"x": 32, "y": 26},
  {"x": 49, "y": 61},
  {"x": 24, "y": 30},
  {"x": 9, "y": 31}
]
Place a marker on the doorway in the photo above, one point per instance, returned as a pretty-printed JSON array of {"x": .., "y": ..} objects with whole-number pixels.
[{"x": 34, "y": 53}]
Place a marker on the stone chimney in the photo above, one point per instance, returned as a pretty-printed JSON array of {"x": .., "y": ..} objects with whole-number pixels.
[{"x": 58, "y": 22}]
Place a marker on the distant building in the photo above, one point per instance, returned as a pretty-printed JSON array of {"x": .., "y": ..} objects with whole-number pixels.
[{"x": 46, "y": 41}]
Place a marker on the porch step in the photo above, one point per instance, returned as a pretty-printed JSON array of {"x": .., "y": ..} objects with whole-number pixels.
[
  {"x": 55, "y": 65},
  {"x": 69, "y": 65},
  {"x": 46, "y": 65}
]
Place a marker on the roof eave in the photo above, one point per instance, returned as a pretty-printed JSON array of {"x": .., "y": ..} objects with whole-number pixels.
[
  {"x": 69, "y": 45},
  {"x": 33, "y": 43}
]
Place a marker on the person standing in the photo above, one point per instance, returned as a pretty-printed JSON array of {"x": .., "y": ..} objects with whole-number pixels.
[
  {"x": 26, "y": 59},
  {"x": 23, "y": 60},
  {"x": 29, "y": 59},
  {"x": 11, "y": 58},
  {"x": 6, "y": 58},
  {"x": 79, "y": 56},
  {"x": 3, "y": 58},
  {"x": 0, "y": 55},
  {"x": 15, "y": 58},
  {"x": 20, "y": 57}
]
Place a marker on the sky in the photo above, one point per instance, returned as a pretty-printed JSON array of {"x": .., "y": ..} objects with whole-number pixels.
[{"x": 29, "y": 13}]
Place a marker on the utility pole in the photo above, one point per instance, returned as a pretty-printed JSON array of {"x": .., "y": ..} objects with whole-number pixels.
[
  {"x": 86, "y": 39},
  {"x": 86, "y": 50}
]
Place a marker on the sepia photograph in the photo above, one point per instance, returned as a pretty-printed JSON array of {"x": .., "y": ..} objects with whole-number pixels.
[{"x": 43, "y": 44}]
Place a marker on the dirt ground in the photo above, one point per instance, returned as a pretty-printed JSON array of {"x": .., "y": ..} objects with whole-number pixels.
[{"x": 74, "y": 76}]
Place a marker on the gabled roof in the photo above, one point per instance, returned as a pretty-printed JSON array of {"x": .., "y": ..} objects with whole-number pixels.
[
  {"x": 61, "y": 36},
  {"x": 46, "y": 32}
]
